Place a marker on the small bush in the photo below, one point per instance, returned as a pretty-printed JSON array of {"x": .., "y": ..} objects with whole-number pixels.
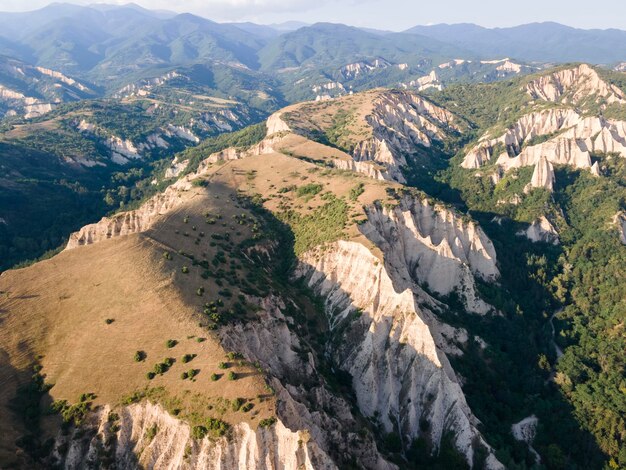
[
  {"x": 184, "y": 376},
  {"x": 223, "y": 365},
  {"x": 150, "y": 375},
  {"x": 184, "y": 270},
  {"x": 140, "y": 356},
  {"x": 247, "y": 407},
  {"x": 108, "y": 321},
  {"x": 232, "y": 375},
  {"x": 267, "y": 422},
  {"x": 170, "y": 343},
  {"x": 187, "y": 357},
  {"x": 199, "y": 432},
  {"x": 237, "y": 403},
  {"x": 151, "y": 432},
  {"x": 215, "y": 377}
]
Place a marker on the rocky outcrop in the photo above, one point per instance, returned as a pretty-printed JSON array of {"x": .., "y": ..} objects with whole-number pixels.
[
  {"x": 433, "y": 247},
  {"x": 574, "y": 85},
  {"x": 575, "y": 140},
  {"x": 401, "y": 122},
  {"x": 595, "y": 169},
  {"x": 303, "y": 402},
  {"x": 541, "y": 230},
  {"x": 527, "y": 127},
  {"x": 276, "y": 124},
  {"x": 543, "y": 175},
  {"x": 399, "y": 373},
  {"x": 148, "y": 437},
  {"x": 367, "y": 168},
  {"x": 620, "y": 222},
  {"x": 129, "y": 222}
]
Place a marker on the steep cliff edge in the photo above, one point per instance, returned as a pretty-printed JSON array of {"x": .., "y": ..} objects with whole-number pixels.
[
  {"x": 386, "y": 341},
  {"x": 574, "y": 85},
  {"x": 434, "y": 246},
  {"x": 144, "y": 435}
]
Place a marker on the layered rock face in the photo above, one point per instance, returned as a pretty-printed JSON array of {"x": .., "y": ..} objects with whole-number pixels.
[
  {"x": 172, "y": 446},
  {"x": 527, "y": 127},
  {"x": 543, "y": 175},
  {"x": 399, "y": 372},
  {"x": 401, "y": 122},
  {"x": 620, "y": 222},
  {"x": 434, "y": 246},
  {"x": 129, "y": 222},
  {"x": 541, "y": 230},
  {"x": 573, "y": 86},
  {"x": 575, "y": 139}
]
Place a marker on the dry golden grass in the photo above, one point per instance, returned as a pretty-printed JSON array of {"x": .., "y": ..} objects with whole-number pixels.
[{"x": 57, "y": 309}]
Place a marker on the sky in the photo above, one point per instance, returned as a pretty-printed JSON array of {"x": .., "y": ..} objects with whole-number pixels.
[{"x": 393, "y": 15}]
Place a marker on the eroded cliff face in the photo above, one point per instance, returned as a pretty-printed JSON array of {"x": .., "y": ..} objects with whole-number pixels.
[
  {"x": 568, "y": 139},
  {"x": 400, "y": 123},
  {"x": 387, "y": 339},
  {"x": 541, "y": 230},
  {"x": 146, "y": 436},
  {"x": 574, "y": 85},
  {"x": 125, "y": 223},
  {"x": 434, "y": 247}
]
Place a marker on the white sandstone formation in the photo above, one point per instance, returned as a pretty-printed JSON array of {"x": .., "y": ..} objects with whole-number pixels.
[
  {"x": 125, "y": 223},
  {"x": 398, "y": 371},
  {"x": 541, "y": 230},
  {"x": 182, "y": 133},
  {"x": 573, "y": 86},
  {"x": 595, "y": 169},
  {"x": 525, "y": 431},
  {"x": 62, "y": 78},
  {"x": 424, "y": 83},
  {"x": 543, "y": 175},
  {"x": 176, "y": 168},
  {"x": 276, "y": 124},
  {"x": 620, "y": 221},
  {"x": 271, "y": 448},
  {"x": 401, "y": 122},
  {"x": 434, "y": 246},
  {"x": 576, "y": 137}
]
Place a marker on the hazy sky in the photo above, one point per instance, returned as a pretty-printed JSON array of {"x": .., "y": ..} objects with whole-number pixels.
[{"x": 388, "y": 14}]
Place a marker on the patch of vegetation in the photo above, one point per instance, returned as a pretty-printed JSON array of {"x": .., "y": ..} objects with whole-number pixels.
[
  {"x": 267, "y": 422},
  {"x": 323, "y": 225},
  {"x": 308, "y": 191}
]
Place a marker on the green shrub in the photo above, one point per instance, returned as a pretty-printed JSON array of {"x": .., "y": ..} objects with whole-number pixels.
[
  {"x": 140, "y": 356},
  {"x": 247, "y": 407},
  {"x": 187, "y": 357},
  {"x": 170, "y": 343},
  {"x": 356, "y": 192},
  {"x": 267, "y": 422},
  {"x": 108, "y": 321},
  {"x": 232, "y": 375},
  {"x": 150, "y": 375},
  {"x": 223, "y": 365},
  {"x": 237, "y": 403},
  {"x": 151, "y": 432},
  {"x": 308, "y": 190},
  {"x": 184, "y": 270},
  {"x": 215, "y": 377}
]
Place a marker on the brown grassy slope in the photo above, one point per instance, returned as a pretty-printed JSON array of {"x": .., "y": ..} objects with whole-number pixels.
[{"x": 57, "y": 309}]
